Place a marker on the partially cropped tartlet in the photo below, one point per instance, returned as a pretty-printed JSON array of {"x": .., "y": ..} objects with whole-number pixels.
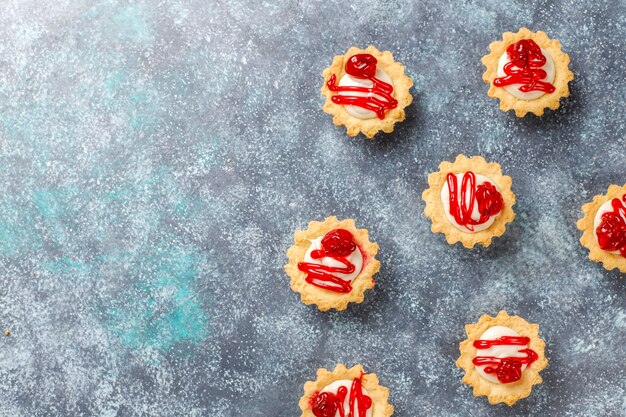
[
  {"x": 345, "y": 392},
  {"x": 332, "y": 263},
  {"x": 502, "y": 357},
  {"x": 469, "y": 201},
  {"x": 366, "y": 91},
  {"x": 528, "y": 72},
  {"x": 604, "y": 228}
]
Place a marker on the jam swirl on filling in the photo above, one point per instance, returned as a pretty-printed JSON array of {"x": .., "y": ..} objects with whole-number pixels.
[
  {"x": 507, "y": 369},
  {"x": 611, "y": 231},
  {"x": 378, "y": 97},
  {"x": 337, "y": 244},
  {"x": 326, "y": 404},
  {"x": 486, "y": 195},
  {"x": 524, "y": 67}
]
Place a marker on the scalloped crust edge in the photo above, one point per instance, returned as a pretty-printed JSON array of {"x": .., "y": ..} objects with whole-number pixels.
[
  {"x": 563, "y": 75},
  {"x": 369, "y": 127},
  {"x": 434, "y": 209},
  {"x": 325, "y": 299},
  {"x": 585, "y": 224},
  {"x": 495, "y": 392},
  {"x": 378, "y": 393}
]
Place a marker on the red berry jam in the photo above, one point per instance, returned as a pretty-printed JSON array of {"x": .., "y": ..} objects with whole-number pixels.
[
  {"x": 611, "y": 232},
  {"x": 508, "y": 369},
  {"x": 525, "y": 67},
  {"x": 378, "y": 97},
  {"x": 326, "y": 404},
  {"x": 486, "y": 195},
  {"x": 337, "y": 244}
]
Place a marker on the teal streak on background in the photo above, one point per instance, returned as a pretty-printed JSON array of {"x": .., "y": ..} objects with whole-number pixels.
[
  {"x": 158, "y": 155},
  {"x": 66, "y": 265},
  {"x": 131, "y": 24},
  {"x": 58, "y": 202},
  {"x": 18, "y": 235},
  {"x": 161, "y": 308}
]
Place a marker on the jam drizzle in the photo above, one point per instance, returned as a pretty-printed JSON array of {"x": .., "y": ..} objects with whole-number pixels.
[
  {"x": 326, "y": 404},
  {"x": 507, "y": 369},
  {"x": 337, "y": 244},
  {"x": 611, "y": 231},
  {"x": 486, "y": 195},
  {"x": 524, "y": 67},
  {"x": 378, "y": 98}
]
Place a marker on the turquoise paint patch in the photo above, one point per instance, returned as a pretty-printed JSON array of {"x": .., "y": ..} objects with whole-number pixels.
[
  {"x": 162, "y": 309},
  {"x": 169, "y": 315},
  {"x": 132, "y": 24},
  {"x": 114, "y": 81},
  {"x": 49, "y": 203},
  {"x": 22, "y": 129},
  {"x": 8, "y": 239},
  {"x": 18, "y": 235},
  {"x": 56, "y": 204},
  {"x": 55, "y": 210},
  {"x": 117, "y": 195},
  {"x": 143, "y": 109},
  {"x": 66, "y": 265}
]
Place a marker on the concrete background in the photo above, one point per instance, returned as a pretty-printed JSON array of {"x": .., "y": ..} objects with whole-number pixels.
[{"x": 158, "y": 155}]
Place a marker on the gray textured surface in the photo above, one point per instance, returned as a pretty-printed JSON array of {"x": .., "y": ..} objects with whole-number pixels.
[{"x": 157, "y": 157}]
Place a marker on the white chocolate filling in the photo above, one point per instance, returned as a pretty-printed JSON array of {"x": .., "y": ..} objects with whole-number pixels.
[
  {"x": 604, "y": 208},
  {"x": 350, "y": 81},
  {"x": 334, "y": 387},
  {"x": 513, "y": 89},
  {"x": 445, "y": 200},
  {"x": 355, "y": 258},
  {"x": 499, "y": 351}
]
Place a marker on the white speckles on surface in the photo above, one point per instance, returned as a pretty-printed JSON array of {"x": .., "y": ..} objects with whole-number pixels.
[{"x": 147, "y": 146}]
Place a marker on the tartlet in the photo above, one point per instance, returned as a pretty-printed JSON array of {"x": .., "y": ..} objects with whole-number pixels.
[
  {"x": 366, "y": 91},
  {"x": 336, "y": 388},
  {"x": 332, "y": 263},
  {"x": 604, "y": 228},
  {"x": 528, "y": 72},
  {"x": 502, "y": 357},
  {"x": 486, "y": 209}
]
